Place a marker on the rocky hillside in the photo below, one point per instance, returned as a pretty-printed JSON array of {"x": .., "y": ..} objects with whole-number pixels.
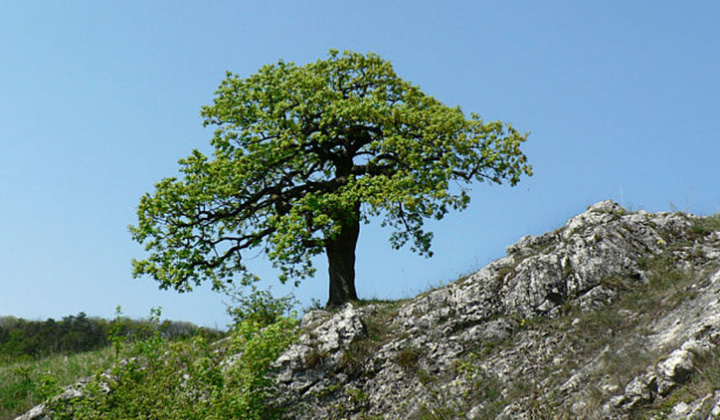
[{"x": 616, "y": 315}]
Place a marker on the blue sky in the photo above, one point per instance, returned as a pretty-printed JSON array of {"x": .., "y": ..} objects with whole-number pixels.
[{"x": 98, "y": 101}]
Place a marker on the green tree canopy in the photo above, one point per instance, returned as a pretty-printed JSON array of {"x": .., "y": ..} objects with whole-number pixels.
[{"x": 303, "y": 155}]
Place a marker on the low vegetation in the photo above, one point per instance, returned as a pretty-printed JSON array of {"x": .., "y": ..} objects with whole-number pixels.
[
  {"x": 194, "y": 378},
  {"x": 39, "y": 358},
  {"x": 26, "y": 382}
]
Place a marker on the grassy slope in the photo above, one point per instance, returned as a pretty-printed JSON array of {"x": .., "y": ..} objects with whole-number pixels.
[{"x": 23, "y": 382}]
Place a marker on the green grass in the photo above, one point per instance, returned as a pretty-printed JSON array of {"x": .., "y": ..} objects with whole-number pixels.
[
  {"x": 24, "y": 382},
  {"x": 706, "y": 225}
]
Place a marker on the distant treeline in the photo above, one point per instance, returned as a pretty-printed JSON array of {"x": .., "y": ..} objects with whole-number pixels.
[{"x": 78, "y": 333}]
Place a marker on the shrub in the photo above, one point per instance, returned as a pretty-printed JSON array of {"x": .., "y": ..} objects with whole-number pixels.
[
  {"x": 259, "y": 306},
  {"x": 191, "y": 378}
]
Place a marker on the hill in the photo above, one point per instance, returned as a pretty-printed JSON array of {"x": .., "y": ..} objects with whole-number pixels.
[
  {"x": 38, "y": 357},
  {"x": 613, "y": 316}
]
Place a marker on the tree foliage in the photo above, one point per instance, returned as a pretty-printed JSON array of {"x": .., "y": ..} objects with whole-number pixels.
[{"x": 305, "y": 154}]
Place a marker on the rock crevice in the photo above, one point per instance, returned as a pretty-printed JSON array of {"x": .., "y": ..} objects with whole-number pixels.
[{"x": 536, "y": 334}]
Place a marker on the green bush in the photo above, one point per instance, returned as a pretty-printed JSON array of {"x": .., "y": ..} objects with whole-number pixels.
[
  {"x": 190, "y": 379},
  {"x": 260, "y": 306}
]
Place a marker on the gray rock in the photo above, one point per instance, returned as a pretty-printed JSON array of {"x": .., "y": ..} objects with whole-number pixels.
[
  {"x": 36, "y": 413},
  {"x": 678, "y": 366},
  {"x": 587, "y": 264}
]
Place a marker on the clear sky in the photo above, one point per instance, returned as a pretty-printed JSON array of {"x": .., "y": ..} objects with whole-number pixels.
[{"x": 98, "y": 101}]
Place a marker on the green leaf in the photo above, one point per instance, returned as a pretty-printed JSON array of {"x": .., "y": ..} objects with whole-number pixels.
[{"x": 301, "y": 153}]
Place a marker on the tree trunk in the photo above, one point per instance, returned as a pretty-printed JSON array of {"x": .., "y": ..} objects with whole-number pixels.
[{"x": 340, "y": 251}]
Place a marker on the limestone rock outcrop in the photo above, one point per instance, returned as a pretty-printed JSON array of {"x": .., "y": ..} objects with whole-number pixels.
[{"x": 610, "y": 315}]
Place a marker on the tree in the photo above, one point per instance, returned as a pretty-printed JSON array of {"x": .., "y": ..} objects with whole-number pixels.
[{"x": 303, "y": 155}]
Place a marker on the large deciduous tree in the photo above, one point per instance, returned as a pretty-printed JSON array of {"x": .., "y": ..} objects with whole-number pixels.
[{"x": 303, "y": 155}]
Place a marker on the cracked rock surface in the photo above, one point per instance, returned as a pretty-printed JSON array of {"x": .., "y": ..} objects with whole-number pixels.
[{"x": 549, "y": 331}]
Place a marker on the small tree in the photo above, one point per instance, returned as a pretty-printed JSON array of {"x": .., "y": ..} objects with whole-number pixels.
[{"x": 303, "y": 155}]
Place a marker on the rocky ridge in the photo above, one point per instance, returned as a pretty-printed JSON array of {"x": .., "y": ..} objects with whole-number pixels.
[{"x": 615, "y": 315}]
